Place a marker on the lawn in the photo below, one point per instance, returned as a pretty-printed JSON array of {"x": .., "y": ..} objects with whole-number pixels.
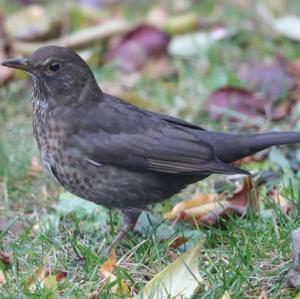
[{"x": 43, "y": 227}]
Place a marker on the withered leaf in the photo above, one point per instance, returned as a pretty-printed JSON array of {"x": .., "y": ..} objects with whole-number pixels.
[
  {"x": 271, "y": 80},
  {"x": 281, "y": 201},
  {"x": 210, "y": 208},
  {"x": 236, "y": 103},
  {"x": 137, "y": 46},
  {"x": 5, "y": 258},
  {"x": 106, "y": 271}
]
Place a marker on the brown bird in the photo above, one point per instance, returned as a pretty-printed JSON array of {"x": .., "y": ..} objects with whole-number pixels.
[{"x": 115, "y": 154}]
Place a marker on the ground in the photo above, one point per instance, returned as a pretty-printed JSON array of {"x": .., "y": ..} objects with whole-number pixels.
[{"x": 243, "y": 256}]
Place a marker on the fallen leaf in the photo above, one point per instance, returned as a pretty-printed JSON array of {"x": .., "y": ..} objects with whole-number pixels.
[
  {"x": 177, "y": 242},
  {"x": 216, "y": 206},
  {"x": 5, "y": 258},
  {"x": 269, "y": 79},
  {"x": 2, "y": 278},
  {"x": 109, "y": 266},
  {"x": 44, "y": 279},
  {"x": 281, "y": 201},
  {"x": 288, "y": 26},
  {"x": 240, "y": 104},
  {"x": 50, "y": 283},
  {"x": 107, "y": 269},
  {"x": 36, "y": 279},
  {"x": 196, "y": 201},
  {"x": 179, "y": 279},
  {"x": 61, "y": 275},
  {"x": 195, "y": 44},
  {"x": 239, "y": 203},
  {"x": 138, "y": 46},
  {"x": 182, "y": 23}
]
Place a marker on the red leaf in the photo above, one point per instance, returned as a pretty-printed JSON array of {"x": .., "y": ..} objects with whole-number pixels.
[
  {"x": 61, "y": 275},
  {"x": 137, "y": 46},
  {"x": 209, "y": 208},
  {"x": 227, "y": 101},
  {"x": 5, "y": 258},
  {"x": 238, "y": 203},
  {"x": 236, "y": 99},
  {"x": 272, "y": 80}
]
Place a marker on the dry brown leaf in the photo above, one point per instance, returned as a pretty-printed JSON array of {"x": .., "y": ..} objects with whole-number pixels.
[
  {"x": 42, "y": 277},
  {"x": 61, "y": 275},
  {"x": 281, "y": 201},
  {"x": 109, "y": 266},
  {"x": 107, "y": 269},
  {"x": 209, "y": 208},
  {"x": 5, "y": 258},
  {"x": 177, "y": 241}
]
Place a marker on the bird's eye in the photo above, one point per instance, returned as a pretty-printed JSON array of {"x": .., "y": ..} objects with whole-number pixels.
[{"x": 54, "y": 66}]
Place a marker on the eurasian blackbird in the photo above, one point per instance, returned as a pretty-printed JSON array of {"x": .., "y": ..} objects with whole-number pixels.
[{"x": 108, "y": 151}]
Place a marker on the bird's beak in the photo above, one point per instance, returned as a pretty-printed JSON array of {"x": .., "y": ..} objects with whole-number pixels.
[{"x": 18, "y": 63}]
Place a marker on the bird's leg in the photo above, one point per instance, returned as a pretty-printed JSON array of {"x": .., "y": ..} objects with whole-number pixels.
[{"x": 130, "y": 217}]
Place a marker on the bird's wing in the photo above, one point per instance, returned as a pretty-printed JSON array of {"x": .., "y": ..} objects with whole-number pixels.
[{"x": 128, "y": 137}]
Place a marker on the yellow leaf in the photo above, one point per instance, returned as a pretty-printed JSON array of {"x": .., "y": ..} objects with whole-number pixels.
[
  {"x": 50, "y": 282},
  {"x": 196, "y": 201},
  {"x": 181, "y": 278},
  {"x": 206, "y": 208},
  {"x": 121, "y": 289}
]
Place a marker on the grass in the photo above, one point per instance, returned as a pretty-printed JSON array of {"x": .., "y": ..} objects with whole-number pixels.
[{"x": 246, "y": 257}]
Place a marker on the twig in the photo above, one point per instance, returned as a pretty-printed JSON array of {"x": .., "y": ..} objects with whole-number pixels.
[{"x": 77, "y": 39}]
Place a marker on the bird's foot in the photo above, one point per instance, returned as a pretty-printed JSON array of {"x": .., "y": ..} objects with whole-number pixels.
[{"x": 130, "y": 217}]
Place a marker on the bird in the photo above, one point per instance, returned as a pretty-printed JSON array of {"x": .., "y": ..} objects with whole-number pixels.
[{"x": 108, "y": 151}]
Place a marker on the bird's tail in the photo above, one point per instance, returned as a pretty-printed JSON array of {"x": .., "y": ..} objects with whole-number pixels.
[
  {"x": 258, "y": 142},
  {"x": 231, "y": 147}
]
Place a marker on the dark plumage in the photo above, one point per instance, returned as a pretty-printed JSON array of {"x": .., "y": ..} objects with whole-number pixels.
[{"x": 115, "y": 154}]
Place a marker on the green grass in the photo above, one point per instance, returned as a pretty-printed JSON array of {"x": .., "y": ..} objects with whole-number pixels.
[{"x": 243, "y": 257}]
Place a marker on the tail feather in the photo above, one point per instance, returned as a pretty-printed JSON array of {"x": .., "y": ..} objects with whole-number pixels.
[
  {"x": 231, "y": 147},
  {"x": 258, "y": 142}
]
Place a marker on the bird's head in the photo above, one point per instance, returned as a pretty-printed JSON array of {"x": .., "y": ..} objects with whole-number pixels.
[{"x": 58, "y": 73}]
